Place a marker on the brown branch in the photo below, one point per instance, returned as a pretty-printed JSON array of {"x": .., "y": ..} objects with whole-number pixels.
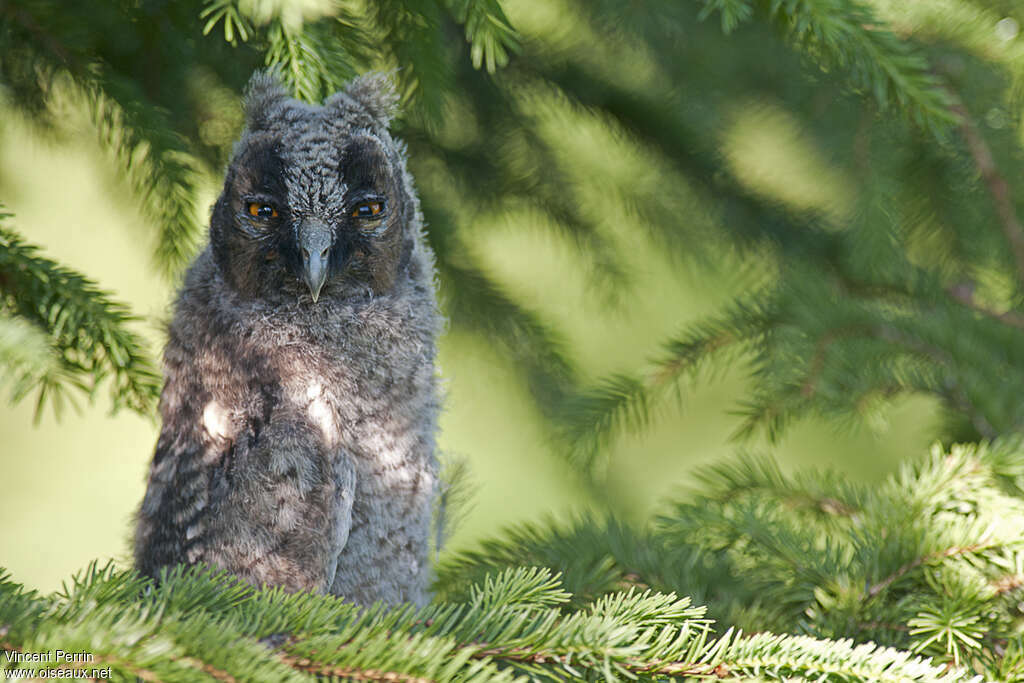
[
  {"x": 910, "y": 566},
  {"x": 952, "y": 391},
  {"x": 138, "y": 672},
  {"x": 997, "y": 185},
  {"x": 217, "y": 674},
  {"x": 964, "y": 293},
  {"x": 668, "y": 370},
  {"x": 818, "y": 360},
  {"x": 1008, "y": 583},
  {"x": 876, "y": 625},
  {"x": 637, "y": 666},
  {"x": 519, "y": 654},
  {"x": 350, "y": 673}
]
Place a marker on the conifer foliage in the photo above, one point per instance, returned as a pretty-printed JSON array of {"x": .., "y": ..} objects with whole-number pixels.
[
  {"x": 915, "y": 285},
  {"x": 921, "y": 579},
  {"x": 911, "y": 282},
  {"x": 930, "y": 562},
  {"x": 205, "y": 626},
  {"x": 87, "y": 342}
]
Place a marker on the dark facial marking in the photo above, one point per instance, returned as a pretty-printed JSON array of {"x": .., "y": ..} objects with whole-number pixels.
[
  {"x": 372, "y": 227},
  {"x": 250, "y": 215}
]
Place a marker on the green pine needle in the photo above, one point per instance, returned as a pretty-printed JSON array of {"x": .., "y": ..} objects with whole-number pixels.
[{"x": 87, "y": 337}]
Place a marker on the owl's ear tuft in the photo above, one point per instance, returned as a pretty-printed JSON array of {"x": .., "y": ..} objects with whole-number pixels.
[
  {"x": 371, "y": 95},
  {"x": 262, "y": 94}
]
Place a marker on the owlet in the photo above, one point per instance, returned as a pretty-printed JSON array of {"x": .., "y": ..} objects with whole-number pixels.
[{"x": 300, "y": 406}]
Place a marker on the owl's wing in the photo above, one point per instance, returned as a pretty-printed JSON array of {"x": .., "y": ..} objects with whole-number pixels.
[
  {"x": 177, "y": 495},
  {"x": 341, "y": 523},
  {"x": 272, "y": 505},
  {"x": 286, "y": 512}
]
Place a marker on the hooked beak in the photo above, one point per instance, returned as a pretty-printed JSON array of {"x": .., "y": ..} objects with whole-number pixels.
[{"x": 315, "y": 241}]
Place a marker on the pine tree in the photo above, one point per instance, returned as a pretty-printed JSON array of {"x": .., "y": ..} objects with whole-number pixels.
[{"x": 912, "y": 284}]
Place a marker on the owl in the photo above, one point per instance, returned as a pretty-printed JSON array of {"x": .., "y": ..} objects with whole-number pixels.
[{"x": 300, "y": 407}]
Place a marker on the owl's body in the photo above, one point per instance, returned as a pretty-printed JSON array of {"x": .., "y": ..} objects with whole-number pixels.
[{"x": 300, "y": 404}]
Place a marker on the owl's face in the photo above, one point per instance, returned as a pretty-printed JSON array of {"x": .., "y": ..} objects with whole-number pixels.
[{"x": 315, "y": 202}]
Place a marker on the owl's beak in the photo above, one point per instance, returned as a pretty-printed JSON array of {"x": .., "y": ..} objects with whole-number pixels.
[{"x": 315, "y": 240}]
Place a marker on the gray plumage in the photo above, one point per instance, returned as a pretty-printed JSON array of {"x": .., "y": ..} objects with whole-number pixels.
[{"x": 300, "y": 404}]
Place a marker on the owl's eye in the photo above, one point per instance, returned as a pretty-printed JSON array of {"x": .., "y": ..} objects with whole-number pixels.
[
  {"x": 259, "y": 210},
  {"x": 368, "y": 209}
]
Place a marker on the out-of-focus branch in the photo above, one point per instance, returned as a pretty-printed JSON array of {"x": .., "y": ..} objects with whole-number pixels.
[
  {"x": 964, "y": 293},
  {"x": 997, "y": 185}
]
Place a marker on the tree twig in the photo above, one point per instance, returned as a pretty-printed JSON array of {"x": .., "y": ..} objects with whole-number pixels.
[
  {"x": 634, "y": 665},
  {"x": 350, "y": 673},
  {"x": 997, "y": 185},
  {"x": 917, "y": 562},
  {"x": 964, "y": 293}
]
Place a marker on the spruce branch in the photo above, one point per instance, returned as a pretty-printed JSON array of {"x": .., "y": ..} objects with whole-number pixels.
[
  {"x": 510, "y": 626},
  {"x": 158, "y": 163},
  {"x": 839, "y": 340},
  {"x": 313, "y": 55},
  {"x": 591, "y": 557},
  {"x": 964, "y": 293},
  {"x": 350, "y": 673},
  {"x": 86, "y": 330},
  {"x": 734, "y": 12},
  {"x": 27, "y": 359},
  {"x": 922, "y": 565},
  {"x": 48, "y": 61},
  {"x": 588, "y": 420},
  {"x": 411, "y": 36},
  {"x": 235, "y": 21},
  {"x": 849, "y": 35},
  {"x": 918, "y": 562},
  {"x": 830, "y": 660},
  {"x": 475, "y": 302},
  {"x": 310, "y": 59},
  {"x": 488, "y": 31},
  {"x": 750, "y": 219},
  {"x": 997, "y": 186},
  {"x": 825, "y": 495},
  {"x": 516, "y": 169},
  {"x": 454, "y": 498}
]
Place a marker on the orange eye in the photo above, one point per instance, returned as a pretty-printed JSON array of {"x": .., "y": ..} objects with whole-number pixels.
[
  {"x": 262, "y": 210},
  {"x": 368, "y": 210}
]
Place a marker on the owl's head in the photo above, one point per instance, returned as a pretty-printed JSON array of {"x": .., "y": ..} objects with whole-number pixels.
[{"x": 317, "y": 201}]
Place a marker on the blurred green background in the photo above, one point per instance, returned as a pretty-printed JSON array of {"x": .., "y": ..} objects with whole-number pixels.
[{"x": 70, "y": 486}]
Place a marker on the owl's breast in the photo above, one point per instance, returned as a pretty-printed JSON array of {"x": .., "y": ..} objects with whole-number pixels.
[
  {"x": 364, "y": 389},
  {"x": 365, "y": 406}
]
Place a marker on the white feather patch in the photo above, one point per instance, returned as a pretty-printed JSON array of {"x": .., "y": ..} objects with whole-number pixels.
[
  {"x": 216, "y": 420},
  {"x": 322, "y": 415}
]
